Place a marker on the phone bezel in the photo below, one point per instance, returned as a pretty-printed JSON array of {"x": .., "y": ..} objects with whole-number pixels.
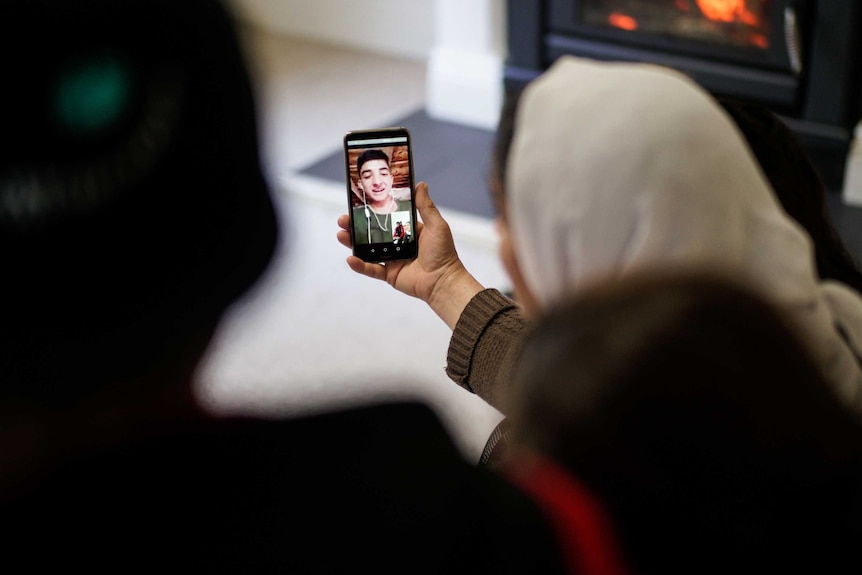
[{"x": 386, "y": 251}]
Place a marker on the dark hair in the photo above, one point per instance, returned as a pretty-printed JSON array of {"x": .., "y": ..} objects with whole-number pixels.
[
  {"x": 122, "y": 232},
  {"x": 797, "y": 184},
  {"x": 502, "y": 144},
  {"x": 692, "y": 409},
  {"x": 369, "y": 155}
]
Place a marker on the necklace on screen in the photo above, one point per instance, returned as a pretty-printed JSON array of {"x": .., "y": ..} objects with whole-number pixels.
[{"x": 381, "y": 226}]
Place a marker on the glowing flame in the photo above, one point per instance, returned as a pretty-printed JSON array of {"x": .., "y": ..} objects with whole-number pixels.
[
  {"x": 727, "y": 11},
  {"x": 760, "y": 41},
  {"x": 622, "y": 21}
]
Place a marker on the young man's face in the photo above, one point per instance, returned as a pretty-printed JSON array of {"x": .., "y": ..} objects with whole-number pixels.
[{"x": 376, "y": 180}]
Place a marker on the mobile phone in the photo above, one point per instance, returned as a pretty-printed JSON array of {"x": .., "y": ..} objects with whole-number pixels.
[{"x": 379, "y": 176}]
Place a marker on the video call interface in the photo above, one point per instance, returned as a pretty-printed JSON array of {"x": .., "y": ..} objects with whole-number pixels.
[{"x": 390, "y": 227}]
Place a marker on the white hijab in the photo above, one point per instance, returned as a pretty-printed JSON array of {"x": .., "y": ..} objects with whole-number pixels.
[{"x": 617, "y": 167}]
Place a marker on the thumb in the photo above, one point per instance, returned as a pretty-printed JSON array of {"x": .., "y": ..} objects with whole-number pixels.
[{"x": 425, "y": 205}]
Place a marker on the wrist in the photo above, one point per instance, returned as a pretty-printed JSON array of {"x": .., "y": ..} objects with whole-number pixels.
[{"x": 452, "y": 292}]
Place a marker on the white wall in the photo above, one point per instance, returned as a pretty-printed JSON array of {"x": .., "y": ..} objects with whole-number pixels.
[
  {"x": 401, "y": 28},
  {"x": 463, "y": 42},
  {"x": 465, "y": 71}
]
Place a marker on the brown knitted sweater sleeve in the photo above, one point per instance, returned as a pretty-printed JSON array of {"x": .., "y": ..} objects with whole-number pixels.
[{"x": 485, "y": 346}]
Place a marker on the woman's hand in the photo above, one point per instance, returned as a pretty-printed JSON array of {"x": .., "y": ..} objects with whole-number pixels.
[{"x": 436, "y": 276}]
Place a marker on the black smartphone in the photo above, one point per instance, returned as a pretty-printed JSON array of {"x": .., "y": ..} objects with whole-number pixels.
[{"x": 379, "y": 173}]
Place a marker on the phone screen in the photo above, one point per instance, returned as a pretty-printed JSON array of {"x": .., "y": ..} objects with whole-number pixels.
[{"x": 379, "y": 169}]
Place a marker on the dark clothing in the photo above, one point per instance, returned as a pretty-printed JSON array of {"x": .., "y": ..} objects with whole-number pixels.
[
  {"x": 380, "y": 487},
  {"x": 379, "y": 235}
]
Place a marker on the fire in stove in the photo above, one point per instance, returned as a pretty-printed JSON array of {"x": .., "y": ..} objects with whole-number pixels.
[{"x": 743, "y": 23}]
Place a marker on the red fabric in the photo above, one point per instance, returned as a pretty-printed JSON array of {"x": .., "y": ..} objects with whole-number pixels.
[{"x": 584, "y": 531}]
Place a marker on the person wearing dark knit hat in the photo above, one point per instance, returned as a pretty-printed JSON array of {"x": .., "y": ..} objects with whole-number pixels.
[
  {"x": 133, "y": 209},
  {"x": 133, "y": 212}
]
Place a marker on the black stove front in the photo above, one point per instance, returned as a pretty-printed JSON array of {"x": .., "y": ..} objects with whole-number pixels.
[{"x": 801, "y": 58}]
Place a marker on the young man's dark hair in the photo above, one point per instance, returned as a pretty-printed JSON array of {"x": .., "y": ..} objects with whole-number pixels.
[{"x": 367, "y": 156}]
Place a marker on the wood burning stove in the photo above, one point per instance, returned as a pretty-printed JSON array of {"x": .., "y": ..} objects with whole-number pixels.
[{"x": 800, "y": 57}]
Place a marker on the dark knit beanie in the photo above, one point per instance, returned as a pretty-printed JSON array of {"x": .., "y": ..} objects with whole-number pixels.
[{"x": 133, "y": 208}]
